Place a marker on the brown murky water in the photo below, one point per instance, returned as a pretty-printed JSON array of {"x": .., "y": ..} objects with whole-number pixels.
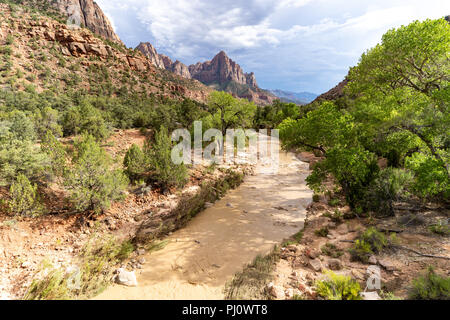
[{"x": 221, "y": 240}]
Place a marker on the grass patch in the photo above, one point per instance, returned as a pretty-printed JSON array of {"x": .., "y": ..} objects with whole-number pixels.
[
  {"x": 336, "y": 216},
  {"x": 295, "y": 239},
  {"x": 440, "y": 229},
  {"x": 156, "y": 245},
  {"x": 338, "y": 287},
  {"x": 322, "y": 232},
  {"x": 94, "y": 272},
  {"x": 430, "y": 286},
  {"x": 331, "y": 250},
  {"x": 250, "y": 283},
  {"x": 370, "y": 242}
]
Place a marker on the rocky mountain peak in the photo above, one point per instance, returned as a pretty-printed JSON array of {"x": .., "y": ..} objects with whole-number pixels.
[
  {"x": 221, "y": 69},
  {"x": 90, "y": 15},
  {"x": 150, "y": 52}
]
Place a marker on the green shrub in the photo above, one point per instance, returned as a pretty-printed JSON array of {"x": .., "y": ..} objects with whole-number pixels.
[
  {"x": 135, "y": 163},
  {"x": 97, "y": 262},
  {"x": 390, "y": 186},
  {"x": 338, "y": 287},
  {"x": 85, "y": 119},
  {"x": 334, "y": 202},
  {"x": 295, "y": 239},
  {"x": 322, "y": 232},
  {"x": 370, "y": 242},
  {"x": 375, "y": 238},
  {"x": 336, "y": 216},
  {"x": 164, "y": 171},
  {"x": 316, "y": 198},
  {"x": 430, "y": 286},
  {"x": 331, "y": 250},
  {"x": 92, "y": 184},
  {"x": 440, "y": 228},
  {"x": 361, "y": 251},
  {"x": 56, "y": 152},
  {"x": 24, "y": 198}
]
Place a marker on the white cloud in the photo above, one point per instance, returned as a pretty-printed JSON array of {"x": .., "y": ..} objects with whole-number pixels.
[{"x": 288, "y": 43}]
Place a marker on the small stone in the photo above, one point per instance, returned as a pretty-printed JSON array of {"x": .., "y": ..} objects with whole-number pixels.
[
  {"x": 373, "y": 260},
  {"x": 388, "y": 265},
  {"x": 312, "y": 253},
  {"x": 342, "y": 229},
  {"x": 289, "y": 293},
  {"x": 141, "y": 260},
  {"x": 276, "y": 291},
  {"x": 229, "y": 205},
  {"x": 335, "y": 264},
  {"x": 370, "y": 295},
  {"x": 26, "y": 265},
  {"x": 126, "y": 278},
  {"x": 292, "y": 248},
  {"x": 316, "y": 265},
  {"x": 141, "y": 252}
]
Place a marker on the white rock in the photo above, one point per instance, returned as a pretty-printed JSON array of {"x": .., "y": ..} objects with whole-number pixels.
[
  {"x": 370, "y": 295},
  {"x": 316, "y": 265},
  {"x": 126, "y": 278},
  {"x": 276, "y": 291},
  {"x": 289, "y": 293}
]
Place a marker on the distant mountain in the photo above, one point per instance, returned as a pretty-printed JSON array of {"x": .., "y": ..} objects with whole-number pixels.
[
  {"x": 295, "y": 97},
  {"x": 334, "y": 93},
  {"x": 220, "y": 73}
]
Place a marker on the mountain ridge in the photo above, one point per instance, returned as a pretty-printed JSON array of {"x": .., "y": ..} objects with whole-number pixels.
[{"x": 220, "y": 73}]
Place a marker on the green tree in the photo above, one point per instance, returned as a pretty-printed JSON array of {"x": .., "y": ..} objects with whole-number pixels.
[
  {"x": 47, "y": 120},
  {"x": 19, "y": 153},
  {"x": 229, "y": 112},
  {"x": 56, "y": 152},
  {"x": 135, "y": 163},
  {"x": 85, "y": 119},
  {"x": 402, "y": 89},
  {"x": 91, "y": 181},
  {"x": 165, "y": 172},
  {"x": 24, "y": 197}
]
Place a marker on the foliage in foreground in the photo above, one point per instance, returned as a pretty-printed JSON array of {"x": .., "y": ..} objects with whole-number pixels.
[
  {"x": 370, "y": 242},
  {"x": 338, "y": 287},
  {"x": 94, "y": 272},
  {"x": 91, "y": 181},
  {"x": 430, "y": 286},
  {"x": 396, "y": 106},
  {"x": 25, "y": 198},
  {"x": 250, "y": 282}
]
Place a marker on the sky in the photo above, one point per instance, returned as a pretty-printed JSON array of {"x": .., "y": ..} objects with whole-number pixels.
[{"x": 292, "y": 45}]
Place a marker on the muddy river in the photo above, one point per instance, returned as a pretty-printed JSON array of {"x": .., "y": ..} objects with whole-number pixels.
[{"x": 200, "y": 258}]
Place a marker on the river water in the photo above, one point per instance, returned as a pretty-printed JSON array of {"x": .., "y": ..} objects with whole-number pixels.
[{"x": 200, "y": 258}]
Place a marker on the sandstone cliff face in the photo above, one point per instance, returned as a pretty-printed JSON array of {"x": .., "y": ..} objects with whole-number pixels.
[
  {"x": 90, "y": 14},
  {"x": 150, "y": 52},
  {"x": 221, "y": 69},
  {"x": 180, "y": 69},
  {"x": 76, "y": 58},
  {"x": 221, "y": 73}
]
